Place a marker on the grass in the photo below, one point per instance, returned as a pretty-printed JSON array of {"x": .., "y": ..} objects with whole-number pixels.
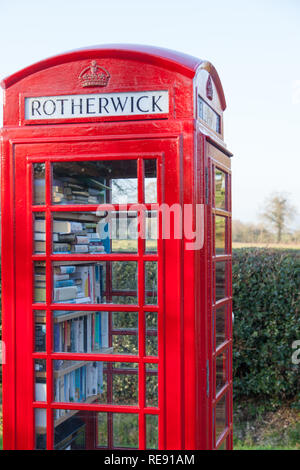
[
  {"x": 241, "y": 446},
  {"x": 279, "y": 246},
  {"x": 257, "y": 429}
]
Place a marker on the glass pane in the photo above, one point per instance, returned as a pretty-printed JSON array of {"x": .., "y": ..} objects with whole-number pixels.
[
  {"x": 99, "y": 232},
  {"x": 81, "y": 332},
  {"x": 151, "y": 334},
  {"x": 40, "y": 418},
  {"x": 78, "y": 382},
  {"x": 73, "y": 429},
  {"x": 95, "y": 282},
  {"x": 40, "y": 380},
  {"x": 95, "y": 332},
  {"x": 151, "y": 432},
  {"x": 125, "y": 430},
  {"x": 124, "y": 231},
  {"x": 39, "y": 233},
  {"x": 220, "y": 235},
  {"x": 125, "y": 332},
  {"x": 221, "y": 416},
  {"x": 152, "y": 385},
  {"x": 150, "y": 282},
  {"x": 222, "y": 446},
  {"x": 124, "y": 383},
  {"x": 150, "y": 181},
  {"x": 220, "y": 280},
  {"x": 39, "y": 281},
  {"x": 95, "y": 182},
  {"x": 124, "y": 278},
  {"x": 151, "y": 232},
  {"x": 221, "y": 371},
  {"x": 220, "y": 189},
  {"x": 102, "y": 434},
  {"x": 95, "y": 382},
  {"x": 221, "y": 325},
  {"x": 40, "y": 331},
  {"x": 39, "y": 183}
]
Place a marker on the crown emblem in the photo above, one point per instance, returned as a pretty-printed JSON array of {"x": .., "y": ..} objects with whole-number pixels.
[
  {"x": 209, "y": 88},
  {"x": 94, "y": 75}
]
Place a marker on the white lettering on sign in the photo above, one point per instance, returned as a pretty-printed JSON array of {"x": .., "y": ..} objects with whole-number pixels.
[{"x": 97, "y": 105}]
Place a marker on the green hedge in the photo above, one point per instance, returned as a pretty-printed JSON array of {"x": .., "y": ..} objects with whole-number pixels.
[{"x": 266, "y": 323}]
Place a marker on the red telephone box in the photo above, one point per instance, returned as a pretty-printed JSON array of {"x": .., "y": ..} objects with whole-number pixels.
[{"x": 116, "y": 253}]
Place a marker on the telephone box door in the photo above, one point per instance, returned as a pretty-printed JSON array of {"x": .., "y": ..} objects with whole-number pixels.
[{"x": 98, "y": 295}]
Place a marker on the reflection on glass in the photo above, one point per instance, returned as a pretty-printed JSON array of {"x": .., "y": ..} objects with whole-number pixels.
[
  {"x": 151, "y": 232},
  {"x": 222, "y": 446},
  {"x": 39, "y": 183},
  {"x": 151, "y": 334},
  {"x": 220, "y": 189},
  {"x": 151, "y": 432},
  {"x": 125, "y": 332},
  {"x": 95, "y": 182},
  {"x": 40, "y": 379},
  {"x": 221, "y": 417},
  {"x": 124, "y": 231},
  {"x": 39, "y": 331},
  {"x": 72, "y": 429},
  {"x": 102, "y": 436},
  {"x": 95, "y": 382},
  {"x": 221, "y": 325},
  {"x": 39, "y": 281},
  {"x": 220, "y": 280},
  {"x": 78, "y": 429},
  {"x": 40, "y": 418},
  {"x": 150, "y": 181},
  {"x": 84, "y": 282},
  {"x": 151, "y": 385},
  {"x": 221, "y": 371},
  {"x": 150, "y": 282},
  {"x": 125, "y": 430},
  {"x": 220, "y": 235},
  {"x": 39, "y": 233},
  {"x": 124, "y": 278},
  {"x": 124, "y": 383}
]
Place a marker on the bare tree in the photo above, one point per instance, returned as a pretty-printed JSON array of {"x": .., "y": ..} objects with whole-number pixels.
[{"x": 278, "y": 212}]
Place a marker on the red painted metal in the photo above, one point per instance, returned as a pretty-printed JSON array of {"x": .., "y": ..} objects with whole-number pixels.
[{"x": 186, "y": 278}]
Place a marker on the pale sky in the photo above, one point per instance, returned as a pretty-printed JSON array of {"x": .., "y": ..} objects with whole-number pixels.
[{"x": 253, "y": 44}]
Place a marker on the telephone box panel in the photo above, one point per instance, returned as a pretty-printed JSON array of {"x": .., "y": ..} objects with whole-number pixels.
[{"x": 116, "y": 253}]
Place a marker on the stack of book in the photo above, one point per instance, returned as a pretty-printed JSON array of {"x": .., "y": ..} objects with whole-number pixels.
[
  {"x": 40, "y": 282},
  {"x": 77, "y": 237},
  {"x": 71, "y": 237},
  {"x": 77, "y": 284},
  {"x": 81, "y": 190},
  {"x": 39, "y": 235}
]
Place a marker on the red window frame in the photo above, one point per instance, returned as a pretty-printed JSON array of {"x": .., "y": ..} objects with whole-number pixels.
[{"x": 226, "y": 347}]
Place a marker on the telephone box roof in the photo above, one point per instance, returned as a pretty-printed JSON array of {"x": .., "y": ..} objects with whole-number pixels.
[{"x": 169, "y": 59}]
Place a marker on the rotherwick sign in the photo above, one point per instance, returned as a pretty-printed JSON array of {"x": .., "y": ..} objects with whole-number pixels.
[{"x": 97, "y": 105}]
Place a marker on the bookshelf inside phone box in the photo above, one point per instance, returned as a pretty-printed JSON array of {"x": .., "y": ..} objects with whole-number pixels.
[{"x": 116, "y": 253}]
